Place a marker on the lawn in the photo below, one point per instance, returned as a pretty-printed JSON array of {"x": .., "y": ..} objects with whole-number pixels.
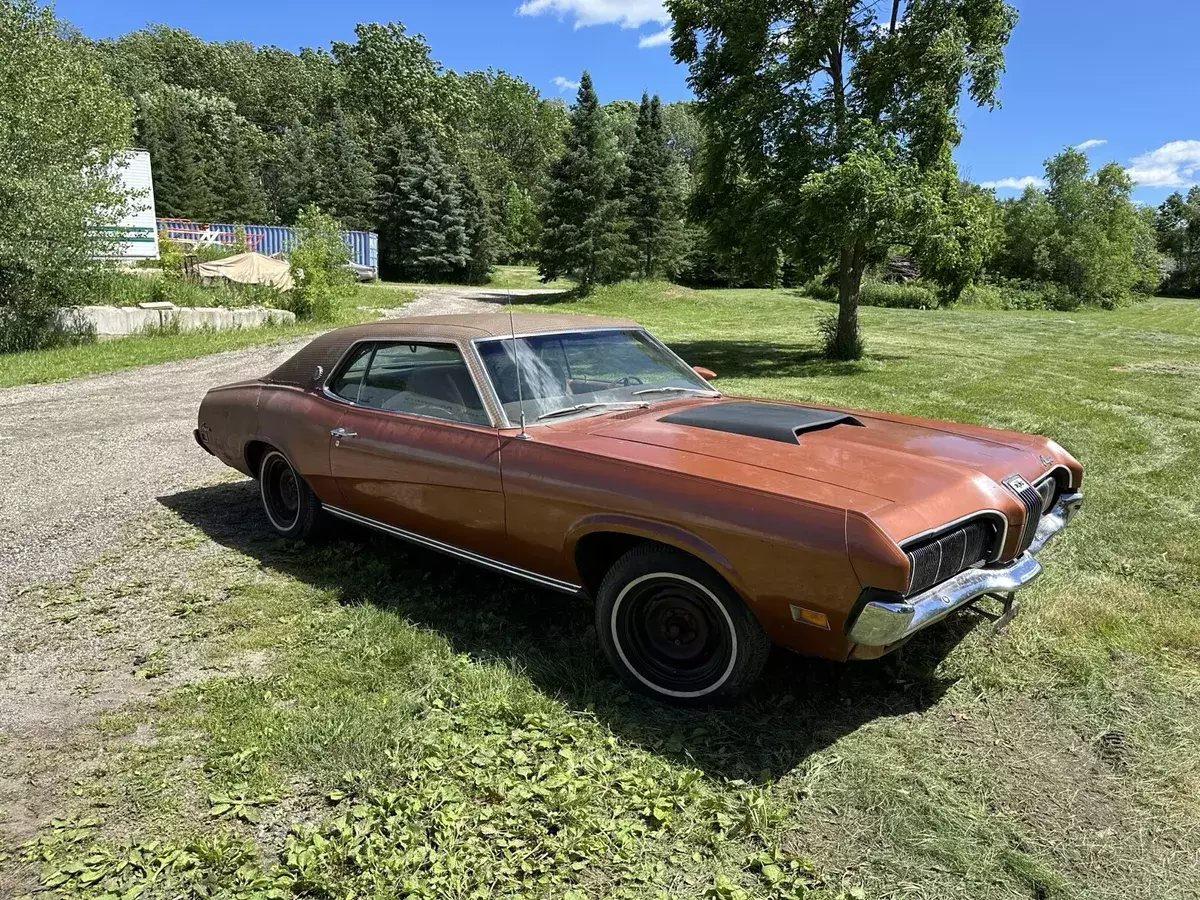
[
  {"x": 142, "y": 349},
  {"x": 378, "y": 721},
  {"x": 517, "y": 277}
]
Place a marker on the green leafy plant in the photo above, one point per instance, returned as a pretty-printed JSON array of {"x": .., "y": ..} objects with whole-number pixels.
[{"x": 318, "y": 262}]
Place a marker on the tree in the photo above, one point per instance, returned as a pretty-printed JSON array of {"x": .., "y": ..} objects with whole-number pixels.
[
  {"x": 834, "y": 120},
  {"x": 318, "y": 262},
  {"x": 653, "y": 203},
  {"x": 62, "y": 129},
  {"x": 960, "y": 229},
  {"x": 1177, "y": 227},
  {"x": 344, "y": 178},
  {"x": 583, "y": 235},
  {"x": 423, "y": 232},
  {"x": 1082, "y": 234}
]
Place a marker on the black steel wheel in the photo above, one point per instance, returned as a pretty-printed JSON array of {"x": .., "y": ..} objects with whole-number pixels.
[
  {"x": 291, "y": 507},
  {"x": 674, "y": 629}
]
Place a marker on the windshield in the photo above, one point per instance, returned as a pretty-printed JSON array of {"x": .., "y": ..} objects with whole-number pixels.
[{"x": 587, "y": 369}]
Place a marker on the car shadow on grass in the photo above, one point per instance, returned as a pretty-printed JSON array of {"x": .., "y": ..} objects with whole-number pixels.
[{"x": 797, "y": 707}]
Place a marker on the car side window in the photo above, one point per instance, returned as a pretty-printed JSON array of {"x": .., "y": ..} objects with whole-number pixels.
[
  {"x": 348, "y": 382},
  {"x": 424, "y": 379}
]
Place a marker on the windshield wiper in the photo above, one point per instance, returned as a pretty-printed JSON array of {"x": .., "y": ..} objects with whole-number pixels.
[
  {"x": 581, "y": 407},
  {"x": 567, "y": 410},
  {"x": 678, "y": 390}
]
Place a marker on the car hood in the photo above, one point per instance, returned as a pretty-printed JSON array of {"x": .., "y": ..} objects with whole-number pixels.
[{"x": 935, "y": 469}]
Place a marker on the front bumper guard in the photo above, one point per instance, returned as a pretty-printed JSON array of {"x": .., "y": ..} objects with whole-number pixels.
[{"x": 884, "y": 622}]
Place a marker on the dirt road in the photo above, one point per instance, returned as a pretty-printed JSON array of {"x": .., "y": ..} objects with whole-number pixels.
[{"x": 82, "y": 458}]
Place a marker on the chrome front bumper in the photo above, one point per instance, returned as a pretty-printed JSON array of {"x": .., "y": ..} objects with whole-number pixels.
[{"x": 882, "y": 622}]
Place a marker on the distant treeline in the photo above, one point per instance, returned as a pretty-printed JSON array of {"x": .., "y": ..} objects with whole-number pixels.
[{"x": 452, "y": 169}]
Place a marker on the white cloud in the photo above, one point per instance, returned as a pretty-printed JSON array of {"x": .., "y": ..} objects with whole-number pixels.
[
  {"x": 1174, "y": 164},
  {"x": 1090, "y": 143},
  {"x": 565, "y": 84},
  {"x": 1016, "y": 184},
  {"x": 626, "y": 13},
  {"x": 657, "y": 39}
]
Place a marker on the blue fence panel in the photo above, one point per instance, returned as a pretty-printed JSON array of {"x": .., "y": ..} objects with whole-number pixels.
[{"x": 272, "y": 239}]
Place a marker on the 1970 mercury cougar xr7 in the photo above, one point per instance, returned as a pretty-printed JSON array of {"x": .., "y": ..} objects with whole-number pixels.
[{"x": 583, "y": 455}]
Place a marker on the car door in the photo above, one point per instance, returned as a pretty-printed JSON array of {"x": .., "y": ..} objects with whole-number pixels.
[{"x": 415, "y": 449}]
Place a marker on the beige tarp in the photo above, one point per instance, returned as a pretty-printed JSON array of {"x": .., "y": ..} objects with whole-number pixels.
[{"x": 248, "y": 268}]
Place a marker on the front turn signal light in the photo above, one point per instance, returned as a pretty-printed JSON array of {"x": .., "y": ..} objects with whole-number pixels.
[{"x": 810, "y": 617}]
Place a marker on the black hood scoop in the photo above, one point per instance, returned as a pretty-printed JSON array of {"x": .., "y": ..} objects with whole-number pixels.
[{"x": 772, "y": 421}]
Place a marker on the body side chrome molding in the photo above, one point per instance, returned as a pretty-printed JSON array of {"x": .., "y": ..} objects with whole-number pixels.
[{"x": 449, "y": 549}]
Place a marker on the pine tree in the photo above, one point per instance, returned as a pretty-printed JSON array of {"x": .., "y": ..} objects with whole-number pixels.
[
  {"x": 583, "y": 233},
  {"x": 344, "y": 178},
  {"x": 292, "y": 172},
  {"x": 653, "y": 200},
  {"x": 236, "y": 180},
  {"x": 423, "y": 232},
  {"x": 479, "y": 235},
  {"x": 181, "y": 186}
]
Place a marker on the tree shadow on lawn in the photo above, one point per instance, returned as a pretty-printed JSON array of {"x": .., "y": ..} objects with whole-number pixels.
[
  {"x": 798, "y": 706},
  {"x": 765, "y": 359}
]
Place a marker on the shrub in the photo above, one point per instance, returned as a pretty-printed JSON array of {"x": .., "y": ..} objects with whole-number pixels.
[
  {"x": 1016, "y": 294},
  {"x": 126, "y": 289},
  {"x": 898, "y": 296},
  {"x": 913, "y": 295},
  {"x": 319, "y": 269},
  {"x": 831, "y": 347}
]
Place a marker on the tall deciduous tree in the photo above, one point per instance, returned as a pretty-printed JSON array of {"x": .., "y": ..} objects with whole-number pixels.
[
  {"x": 1082, "y": 234},
  {"x": 1177, "y": 225},
  {"x": 62, "y": 127},
  {"x": 831, "y": 115},
  {"x": 583, "y": 234}
]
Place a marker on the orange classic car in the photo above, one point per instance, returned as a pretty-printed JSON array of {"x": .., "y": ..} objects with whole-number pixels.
[{"x": 584, "y": 456}]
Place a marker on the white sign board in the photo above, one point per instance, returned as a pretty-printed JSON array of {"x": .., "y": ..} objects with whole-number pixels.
[{"x": 137, "y": 232}]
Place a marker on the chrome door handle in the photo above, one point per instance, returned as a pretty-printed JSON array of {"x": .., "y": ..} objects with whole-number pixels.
[{"x": 340, "y": 433}]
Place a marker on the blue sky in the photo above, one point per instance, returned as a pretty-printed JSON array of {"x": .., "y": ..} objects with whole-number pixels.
[{"x": 1078, "y": 70}]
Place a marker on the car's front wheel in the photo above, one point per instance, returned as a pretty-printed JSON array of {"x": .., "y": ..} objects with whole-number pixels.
[
  {"x": 672, "y": 628},
  {"x": 291, "y": 507}
]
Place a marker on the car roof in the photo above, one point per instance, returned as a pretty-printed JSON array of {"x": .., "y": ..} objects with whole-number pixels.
[
  {"x": 326, "y": 350},
  {"x": 465, "y": 326}
]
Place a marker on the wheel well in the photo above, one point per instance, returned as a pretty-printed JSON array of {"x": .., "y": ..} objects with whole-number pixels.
[
  {"x": 597, "y": 552},
  {"x": 254, "y": 454}
]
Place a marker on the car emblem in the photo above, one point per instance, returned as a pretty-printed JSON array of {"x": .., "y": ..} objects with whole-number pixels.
[
  {"x": 1016, "y": 484},
  {"x": 1045, "y": 460}
]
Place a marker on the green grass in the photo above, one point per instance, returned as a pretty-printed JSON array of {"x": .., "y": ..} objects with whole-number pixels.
[
  {"x": 382, "y": 295},
  {"x": 421, "y": 728},
  {"x": 61, "y": 363},
  {"x": 518, "y": 277}
]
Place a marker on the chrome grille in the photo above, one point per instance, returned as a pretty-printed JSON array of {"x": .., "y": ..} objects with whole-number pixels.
[
  {"x": 1032, "y": 501},
  {"x": 945, "y": 555}
]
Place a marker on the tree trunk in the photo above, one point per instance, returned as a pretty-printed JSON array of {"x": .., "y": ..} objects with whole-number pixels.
[{"x": 846, "y": 343}]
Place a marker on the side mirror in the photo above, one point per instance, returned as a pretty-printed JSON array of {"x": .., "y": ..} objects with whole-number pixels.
[{"x": 706, "y": 374}]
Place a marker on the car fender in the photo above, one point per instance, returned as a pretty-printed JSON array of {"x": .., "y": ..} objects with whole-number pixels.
[{"x": 663, "y": 533}]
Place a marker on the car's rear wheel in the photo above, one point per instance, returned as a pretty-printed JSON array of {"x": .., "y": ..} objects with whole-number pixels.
[
  {"x": 672, "y": 628},
  {"x": 291, "y": 507}
]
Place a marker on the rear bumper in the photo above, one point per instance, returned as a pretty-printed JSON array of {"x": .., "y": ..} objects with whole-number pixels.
[
  {"x": 883, "y": 622},
  {"x": 200, "y": 440}
]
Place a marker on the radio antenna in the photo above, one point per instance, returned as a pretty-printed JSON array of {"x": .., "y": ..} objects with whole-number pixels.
[{"x": 522, "y": 435}]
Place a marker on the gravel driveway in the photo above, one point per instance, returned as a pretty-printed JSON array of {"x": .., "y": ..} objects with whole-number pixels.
[{"x": 82, "y": 458}]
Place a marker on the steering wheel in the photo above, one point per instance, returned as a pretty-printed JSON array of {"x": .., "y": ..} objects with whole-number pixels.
[{"x": 627, "y": 381}]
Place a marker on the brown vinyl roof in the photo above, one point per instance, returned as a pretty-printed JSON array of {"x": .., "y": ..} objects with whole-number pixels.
[
  {"x": 327, "y": 349},
  {"x": 475, "y": 325}
]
